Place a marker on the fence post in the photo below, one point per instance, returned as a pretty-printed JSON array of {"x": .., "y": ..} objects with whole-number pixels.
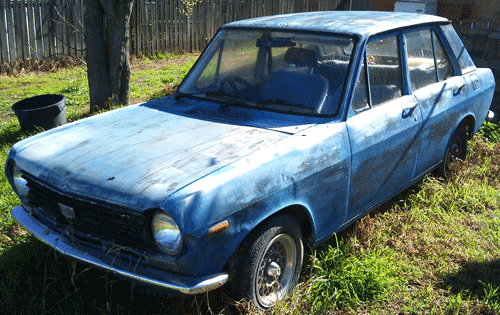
[{"x": 4, "y": 37}]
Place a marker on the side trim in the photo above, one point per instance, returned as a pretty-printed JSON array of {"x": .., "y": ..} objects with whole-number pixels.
[{"x": 136, "y": 272}]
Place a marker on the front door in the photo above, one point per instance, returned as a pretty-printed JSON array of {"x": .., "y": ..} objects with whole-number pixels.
[{"x": 384, "y": 132}]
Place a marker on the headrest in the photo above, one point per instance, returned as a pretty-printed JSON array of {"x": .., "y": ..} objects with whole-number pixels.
[{"x": 301, "y": 57}]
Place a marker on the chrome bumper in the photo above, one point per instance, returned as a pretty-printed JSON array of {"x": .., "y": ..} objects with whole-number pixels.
[{"x": 165, "y": 280}]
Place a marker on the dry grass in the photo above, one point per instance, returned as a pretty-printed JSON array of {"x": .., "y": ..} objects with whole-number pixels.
[
  {"x": 445, "y": 247},
  {"x": 51, "y": 64}
]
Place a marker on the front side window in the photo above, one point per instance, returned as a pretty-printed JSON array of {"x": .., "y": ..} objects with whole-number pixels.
[
  {"x": 384, "y": 69},
  {"x": 380, "y": 79},
  {"x": 292, "y": 72},
  {"x": 360, "y": 97}
]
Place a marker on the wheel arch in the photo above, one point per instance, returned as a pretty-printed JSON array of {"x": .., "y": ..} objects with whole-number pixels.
[
  {"x": 303, "y": 217},
  {"x": 469, "y": 123},
  {"x": 298, "y": 212}
]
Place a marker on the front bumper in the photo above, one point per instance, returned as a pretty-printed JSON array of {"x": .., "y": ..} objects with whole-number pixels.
[{"x": 138, "y": 273}]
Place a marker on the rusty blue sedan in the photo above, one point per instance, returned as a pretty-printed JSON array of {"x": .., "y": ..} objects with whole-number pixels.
[{"x": 287, "y": 130}]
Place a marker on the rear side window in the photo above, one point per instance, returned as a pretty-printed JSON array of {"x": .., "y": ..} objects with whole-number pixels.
[
  {"x": 444, "y": 66},
  {"x": 464, "y": 60},
  {"x": 427, "y": 59},
  {"x": 380, "y": 79}
]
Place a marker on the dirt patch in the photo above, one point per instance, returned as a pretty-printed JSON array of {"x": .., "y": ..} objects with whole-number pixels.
[
  {"x": 480, "y": 155},
  {"x": 5, "y": 239},
  {"x": 15, "y": 231},
  {"x": 12, "y": 233}
]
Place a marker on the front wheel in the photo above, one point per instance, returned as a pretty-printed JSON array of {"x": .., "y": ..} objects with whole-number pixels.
[
  {"x": 457, "y": 149},
  {"x": 271, "y": 264}
]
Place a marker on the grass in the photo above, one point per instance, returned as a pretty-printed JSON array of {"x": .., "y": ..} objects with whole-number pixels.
[
  {"x": 72, "y": 83},
  {"x": 341, "y": 278},
  {"x": 153, "y": 82},
  {"x": 433, "y": 249}
]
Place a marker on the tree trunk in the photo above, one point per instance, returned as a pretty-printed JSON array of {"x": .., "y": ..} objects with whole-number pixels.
[{"x": 107, "y": 24}]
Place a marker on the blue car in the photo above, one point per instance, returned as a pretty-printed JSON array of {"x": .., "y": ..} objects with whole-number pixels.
[{"x": 287, "y": 129}]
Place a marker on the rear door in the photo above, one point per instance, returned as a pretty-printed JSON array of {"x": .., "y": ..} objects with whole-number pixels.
[
  {"x": 383, "y": 133},
  {"x": 441, "y": 94}
]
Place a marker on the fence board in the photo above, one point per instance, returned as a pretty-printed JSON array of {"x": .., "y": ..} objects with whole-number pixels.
[
  {"x": 44, "y": 29},
  {"x": 29, "y": 9},
  {"x": 171, "y": 28},
  {"x": 79, "y": 35},
  {"x": 16, "y": 16},
  {"x": 61, "y": 29},
  {"x": 38, "y": 29},
  {"x": 4, "y": 40},
  {"x": 11, "y": 31},
  {"x": 161, "y": 27}
]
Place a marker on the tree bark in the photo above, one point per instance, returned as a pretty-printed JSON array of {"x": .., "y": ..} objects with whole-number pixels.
[{"x": 107, "y": 24}]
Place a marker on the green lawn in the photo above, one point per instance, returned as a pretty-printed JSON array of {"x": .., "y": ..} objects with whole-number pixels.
[{"x": 434, "y": 249}]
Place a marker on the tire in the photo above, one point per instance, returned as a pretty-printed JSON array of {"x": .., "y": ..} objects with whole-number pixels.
[
  {"x": 456, "y": 149},
  {"x": 270, "y": 263}
]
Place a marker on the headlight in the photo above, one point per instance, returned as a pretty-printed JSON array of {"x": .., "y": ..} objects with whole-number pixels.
[
  {"x": 166, "y": 233},
  {"x": 21, "y": 185}
]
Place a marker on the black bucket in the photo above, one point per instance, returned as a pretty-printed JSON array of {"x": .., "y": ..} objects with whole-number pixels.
[{"x": 45, "y": 111}]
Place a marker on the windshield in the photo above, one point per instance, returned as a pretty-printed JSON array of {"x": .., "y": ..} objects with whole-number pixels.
[{"x": 290, "y": 72}]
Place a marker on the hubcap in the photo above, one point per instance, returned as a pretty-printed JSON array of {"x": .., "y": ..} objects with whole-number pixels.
[
  {"x": 276, "y": 270},
  {"x": 273, "y": 270},
  {"x": 454, "y": 153}
]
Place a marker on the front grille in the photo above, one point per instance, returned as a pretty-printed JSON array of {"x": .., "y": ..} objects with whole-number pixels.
[{"x": 92, "y": 219}]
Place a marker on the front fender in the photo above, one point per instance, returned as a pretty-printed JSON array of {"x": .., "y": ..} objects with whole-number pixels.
[{"x": 310, "y": 169}]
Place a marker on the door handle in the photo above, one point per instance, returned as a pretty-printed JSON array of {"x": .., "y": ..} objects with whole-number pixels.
[
  {"x": 457, "y": 90},
  {"x": 409, "y": 110}
]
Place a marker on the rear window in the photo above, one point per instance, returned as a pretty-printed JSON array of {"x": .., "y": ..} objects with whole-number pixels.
[{"x": 464, "y": 60}]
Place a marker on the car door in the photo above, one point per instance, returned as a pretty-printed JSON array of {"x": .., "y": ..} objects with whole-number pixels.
[
  {"x": 440, "y": 93},
  {"x": 383, "y": 132}
]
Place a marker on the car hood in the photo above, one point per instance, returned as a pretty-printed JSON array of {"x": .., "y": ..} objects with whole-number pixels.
[{"x": 137, "y": 156}]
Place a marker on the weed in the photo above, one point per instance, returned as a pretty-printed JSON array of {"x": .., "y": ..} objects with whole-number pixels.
[
  {"x": 455, "y": 304},
  {"x": 167, "y": 55},
  {"x": 490, "y": 131},
  {"x": 340, "y": 280},
  {"x": 492, "y": 296}
]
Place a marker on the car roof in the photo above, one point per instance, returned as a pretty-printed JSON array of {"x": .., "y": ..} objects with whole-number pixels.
[{"x": 360, "y": 23}]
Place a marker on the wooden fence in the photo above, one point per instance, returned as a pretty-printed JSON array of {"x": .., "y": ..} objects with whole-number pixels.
[
  {"x": 160, "y": 26},
  {"x": 39, "y": 29}
]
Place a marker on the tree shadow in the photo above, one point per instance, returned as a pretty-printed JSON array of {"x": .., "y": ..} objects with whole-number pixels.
[
  {"x": 34, "y": 279},
  {"x": 476, "y": 279}
]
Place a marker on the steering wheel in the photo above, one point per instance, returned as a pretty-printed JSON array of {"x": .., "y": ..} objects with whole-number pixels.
[{"x": 233, "y": 81}]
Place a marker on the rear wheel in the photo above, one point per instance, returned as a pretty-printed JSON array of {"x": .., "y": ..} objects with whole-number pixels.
[
  {"x": 271, "y": 262},
  {"x": 457, "y": 149}
]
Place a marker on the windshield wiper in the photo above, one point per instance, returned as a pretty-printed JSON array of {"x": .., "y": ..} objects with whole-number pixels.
[
  {"x": 230, "y": 99},
  {"x": 278, "y": 104},
  {"x": 178, "y": 95}
]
